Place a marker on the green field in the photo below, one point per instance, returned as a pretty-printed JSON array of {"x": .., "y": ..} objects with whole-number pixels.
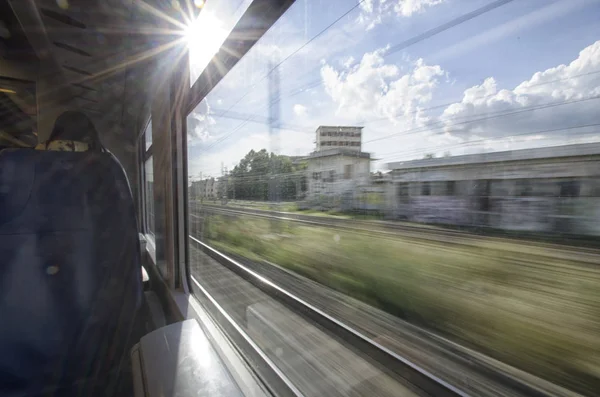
[{"x": 509, "y": 300}]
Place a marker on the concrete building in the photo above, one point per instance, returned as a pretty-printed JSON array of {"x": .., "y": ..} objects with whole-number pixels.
[
  {"x": 338, "y": 168},
  {"x": 339, "y": 137},
  {"x": 334, "y": 176},
  {"x": 546, "y": 189},
  {"x": 205, "y": 189}
]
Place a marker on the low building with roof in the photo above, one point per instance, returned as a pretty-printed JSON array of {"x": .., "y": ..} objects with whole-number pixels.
[{"x": 543, "y": 189}]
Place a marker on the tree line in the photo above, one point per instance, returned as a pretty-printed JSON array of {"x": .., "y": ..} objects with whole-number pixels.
[{"x": 263, "y": 176}]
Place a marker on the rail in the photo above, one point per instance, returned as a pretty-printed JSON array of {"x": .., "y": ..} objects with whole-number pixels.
[
  {"x": 421, "y": 233},
  {"x": 387, "y": 359}
]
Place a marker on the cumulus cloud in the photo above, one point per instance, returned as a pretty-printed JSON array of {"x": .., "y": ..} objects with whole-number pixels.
[
  {"x": 574, "y": 86},
  {"x": 300, "y": 110},
  {"x": 373, "y": 89},
  {"x": 374, "y": 11},
  {"x": 198, "y": 124}
]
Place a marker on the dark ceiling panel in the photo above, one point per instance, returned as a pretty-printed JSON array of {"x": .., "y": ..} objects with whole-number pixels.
[{"x": 14, "y": 42}]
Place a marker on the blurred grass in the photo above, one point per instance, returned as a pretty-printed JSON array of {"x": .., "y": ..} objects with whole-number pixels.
[{"x": 535, "y": 312}]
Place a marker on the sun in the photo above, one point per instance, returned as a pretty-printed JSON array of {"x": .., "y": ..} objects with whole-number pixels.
[{"x": 204, "y": 37}]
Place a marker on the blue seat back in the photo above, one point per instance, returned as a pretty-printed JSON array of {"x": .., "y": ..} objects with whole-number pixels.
[{"x": 70, "y": 279}]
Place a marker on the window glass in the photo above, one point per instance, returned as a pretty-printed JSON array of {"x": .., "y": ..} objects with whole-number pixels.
[
  {"x": 206, "y": 34},
  {"x": 148, "y": 135},
  {"x": 149, "y": 195},
  {"x": 449, "y": 103}
]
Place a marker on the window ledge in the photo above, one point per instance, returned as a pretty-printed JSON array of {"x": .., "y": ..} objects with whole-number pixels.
[
  {"x": 244, "y": 376},
  {"x": 151, "y": 247}
]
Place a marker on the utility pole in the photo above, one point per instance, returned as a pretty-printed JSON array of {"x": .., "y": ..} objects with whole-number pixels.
[
  {"x": 224, "y": 181},
  {"x": 274, "y": 123}
]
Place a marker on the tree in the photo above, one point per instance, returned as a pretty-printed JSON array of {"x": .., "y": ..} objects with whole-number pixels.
[
  {"x": 251, "y": 176},
  {"x": 429, "y": 156}
]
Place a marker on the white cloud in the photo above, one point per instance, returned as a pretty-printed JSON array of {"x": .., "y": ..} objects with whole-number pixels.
[
  {"x": 576, "y": 81},
  {"x": 373, "y": 89},
  {"x": 300, "y": 110},
  {"x": 198, "y": 124},
  {"x": 347, "y": 62},
  {"x": 406, "y": 8},
  {"x": 374, "y": 11}
]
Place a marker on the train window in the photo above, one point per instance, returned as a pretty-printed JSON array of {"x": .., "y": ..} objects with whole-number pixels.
[
  {"x": 432, "y": 128},
  {"x": 148, "y": 181},
  {"x": 210, "y": 29},
  {"x": 148, "y": 136},
  {"x": 149, "y": 196}
]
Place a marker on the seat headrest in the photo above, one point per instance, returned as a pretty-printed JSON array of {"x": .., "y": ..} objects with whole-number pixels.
[
  {"x": 75, "y": 126},
  {"x": 64, "y": 146}
]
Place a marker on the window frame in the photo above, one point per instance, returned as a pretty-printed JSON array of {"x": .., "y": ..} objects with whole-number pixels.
[
  {"x": 259, "y": 17},
  {"x": 145, "y": 154}
]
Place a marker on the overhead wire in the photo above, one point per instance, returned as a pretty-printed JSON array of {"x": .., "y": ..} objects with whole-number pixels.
[
  {"x": 430, "y": 33},
  {"x": 418, "y": 38},
  {"x": 439, "y": 106},
  {"x": 397, "y": 155},
  {"x": 398, "y": 47},
  {"x": 294, "y": 53},
  {"x": 241, "y": 125},
  {"x": 441, "y": 123}
]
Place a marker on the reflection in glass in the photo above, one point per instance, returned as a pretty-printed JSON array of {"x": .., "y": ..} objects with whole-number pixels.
[
  {"x": 149, "y": 195},
  {"x": 148, "y": 135},
  {"x": 485, "y": 129},
  {"x": 206, "y": 34}
]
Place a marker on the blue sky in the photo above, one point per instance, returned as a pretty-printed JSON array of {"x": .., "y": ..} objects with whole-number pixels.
[{"x": 472, "y": 88}]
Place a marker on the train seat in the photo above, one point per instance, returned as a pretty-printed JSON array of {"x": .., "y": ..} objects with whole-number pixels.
[{"x": 70, "y": 281}]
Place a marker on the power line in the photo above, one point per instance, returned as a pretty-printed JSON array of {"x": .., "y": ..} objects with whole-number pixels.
[
  {"x": 430, "y": 33},
  {"x": 523, "y": 110},
  {"x": 481, "y": 97},
  {"x": 294, "y": 53},
  {"x": 442, "y": 123},
  {"x": 475, "y": 141},
  {"x": 420, "y": 37},
  {"x": 264, "y": 120},
  {"x": 448, "y": 25}
]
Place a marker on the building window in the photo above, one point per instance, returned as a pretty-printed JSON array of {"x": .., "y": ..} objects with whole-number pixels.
[
  {"x": 316, "y": 176},
  {"x": 348, "y": 171},
  {"x": 523, "y": 188},
  {"x": 450, "y": 188},
  {"x": 425, "y": 189},
  {"x": 569, "y": 189},
  {"x": 403, "y": 189},
  {"x": 330, "y": 176}
]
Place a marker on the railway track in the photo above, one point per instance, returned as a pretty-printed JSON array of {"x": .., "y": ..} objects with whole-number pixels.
[
  {"x": 435, "y": 366},
  {"x": 425, "y": 234}
]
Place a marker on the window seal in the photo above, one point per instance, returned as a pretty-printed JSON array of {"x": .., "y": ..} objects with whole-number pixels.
[
  {"x": 151, "y": 247},
  {"x": 254, "y": 23}
]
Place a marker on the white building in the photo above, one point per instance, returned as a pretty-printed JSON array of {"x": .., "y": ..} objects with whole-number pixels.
[
  {"x": 335, "y": 175},
  {"x": 339, "y": 137}
]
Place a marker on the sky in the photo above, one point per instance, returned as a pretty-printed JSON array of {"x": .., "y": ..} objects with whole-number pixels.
[{"x": 525, "y": 74}]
